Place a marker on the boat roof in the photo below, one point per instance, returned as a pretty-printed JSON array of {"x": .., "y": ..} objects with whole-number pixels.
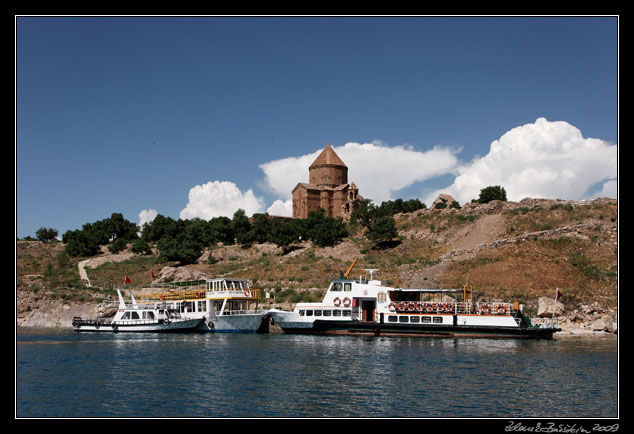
[
  {"x": 430, "y": 290},
  {"x": 233, "y": 279}
]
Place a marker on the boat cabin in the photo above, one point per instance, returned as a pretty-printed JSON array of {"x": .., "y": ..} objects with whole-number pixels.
[{"x": 220, "y": 296}]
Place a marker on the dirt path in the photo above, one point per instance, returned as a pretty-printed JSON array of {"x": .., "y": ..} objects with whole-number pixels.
[
  {"x": 95, "y": 262},
  {"x": 484, "y": 230}
]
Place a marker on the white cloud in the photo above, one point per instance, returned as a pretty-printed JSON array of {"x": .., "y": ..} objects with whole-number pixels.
[
  {"x": 543, "y": 160},
  {"x": 281, "y": 208},
  {"x": 219, "y": 198},
  {"x": 610, "y": 189},
  {"x": 146, "y": 216},
  {"x": 376, "y": 169},
  {"x": 281, "y": 176}
]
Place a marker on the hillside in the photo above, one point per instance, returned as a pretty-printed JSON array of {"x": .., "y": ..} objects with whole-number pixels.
[{"x": 505, "y": 250}]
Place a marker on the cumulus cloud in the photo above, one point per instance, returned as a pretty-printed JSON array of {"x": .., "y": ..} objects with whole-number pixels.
[
  {"x": 281, "y": 208},
  {"x": 541, "y": 160},
  {"x": 146, "y": 216},
  {"x": 219, "y": 198},
  {"x": 377, "y": 170}
]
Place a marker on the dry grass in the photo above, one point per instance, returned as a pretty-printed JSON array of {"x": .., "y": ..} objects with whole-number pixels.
[{"x": 582, "y": 264}]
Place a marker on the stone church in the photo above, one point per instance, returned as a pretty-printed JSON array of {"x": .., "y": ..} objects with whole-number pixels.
[{"x": 327, "y": 188}]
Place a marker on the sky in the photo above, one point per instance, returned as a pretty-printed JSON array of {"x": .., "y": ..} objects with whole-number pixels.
[{"x": 200, "y": 116}]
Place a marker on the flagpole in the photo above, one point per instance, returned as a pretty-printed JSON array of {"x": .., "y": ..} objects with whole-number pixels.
[{"x": 555, "y": 303}]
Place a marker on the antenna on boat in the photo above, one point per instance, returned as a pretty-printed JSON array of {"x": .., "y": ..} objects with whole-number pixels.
[{"x": 371, "y": 271}]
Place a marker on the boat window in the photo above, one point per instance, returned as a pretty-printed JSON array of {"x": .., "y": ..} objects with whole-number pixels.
[
  {"x": 148, "y": 314},
  {"x": 301, "y": 313},
  {"x": 317, "y": 313},
  {"x": 347, "y": 313},
  {"x": 202, "y": 306},
  {"x": 426, "y": 319},
  {"x": 327, "y": 313},
  {"x": 336, "y": 286},
  {"x": 403, "y": 319},
  {"x": 309, "y": 313},
  {"x": 336, "y": 312},
  {"x": 414, "y": 319},
  {"x": 392, "y": 318},
  {"x": 437, "y": 320},
  {"x": 381, "y": 297},
  {"x": 126, "y": 315},
  {"x": 347, "y": 287}
]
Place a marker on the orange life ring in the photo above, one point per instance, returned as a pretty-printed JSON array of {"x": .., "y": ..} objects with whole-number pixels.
[
  {"x": 391, "y": 307},
  {"x": 411, "y": 306},
  {"x": 247, "y": 293},
  {"x": 197, "y": 294},
  {"x": 346, "y": 302},
  {"x": 337, "y": 301},
  {"x": 162, "y": 297},
  {"x": 501, "y": 309}
]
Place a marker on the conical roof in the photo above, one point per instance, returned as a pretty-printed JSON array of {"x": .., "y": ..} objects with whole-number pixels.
[{"x": 328, "y": 157}]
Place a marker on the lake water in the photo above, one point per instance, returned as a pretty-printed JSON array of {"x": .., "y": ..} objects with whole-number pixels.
[{"x": 77, "y": 375}]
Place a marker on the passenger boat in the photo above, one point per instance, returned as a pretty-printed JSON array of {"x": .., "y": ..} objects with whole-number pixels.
[
  {"x": 226, "y": 305},
  {"x": 369, "y": 307},
  {"x": 134, "y": 318}
]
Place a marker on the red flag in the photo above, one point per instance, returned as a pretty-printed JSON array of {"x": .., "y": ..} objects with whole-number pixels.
[
  {"x": 559, "y": 294},
  {"x": 153, "y": 276},
  {"x": 127, "y": 280}
]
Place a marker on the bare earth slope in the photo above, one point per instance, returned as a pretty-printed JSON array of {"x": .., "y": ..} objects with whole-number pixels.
[{"x": 505, "y": 250}]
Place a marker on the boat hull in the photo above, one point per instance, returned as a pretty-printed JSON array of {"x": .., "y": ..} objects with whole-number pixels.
[
  {"x": 137, "y": 327},
  {"x": 243, "y": 323},
  {"x": 355, "y": 328}
]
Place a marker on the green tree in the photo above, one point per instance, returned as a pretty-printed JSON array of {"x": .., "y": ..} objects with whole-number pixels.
[
  {"x": 494, "y": 192},
  {"x": 199, "y": 231},
  {"x": 140, "y": 246},
  {"x": 285, "y": 234},
  {"x": 118, "y": 227},
  {"x": 384, "y": 230},
  {"x": 117, "y": 245},
  {"x": 324, "y": 230},
  {"x": 162, "y": 227},
  {"x": 365, "y": 213},
  {"x": 222, "y": 230},
  {"x": 81, "y": 243},
  {"x": 261, "y": 228},
  {"x": 180, "y": 248},
  {"x": 45, "y": 235},
  {"x": 241, "y": 225}
]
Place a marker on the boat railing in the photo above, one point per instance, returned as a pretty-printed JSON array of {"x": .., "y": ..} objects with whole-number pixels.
[
  {"x": 198, "y": 294},
  {"x": 92, "y": 321},
  {"x": 545, "y": 323},
  {"x": 484, "y": 308},
  {"x": 241, "y": 312}
]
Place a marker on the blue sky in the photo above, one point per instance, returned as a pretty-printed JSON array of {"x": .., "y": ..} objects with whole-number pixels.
[{"x": 125, "y": 114}]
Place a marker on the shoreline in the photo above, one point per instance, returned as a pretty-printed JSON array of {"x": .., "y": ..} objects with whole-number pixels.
[{"x": 60, "y": 315}]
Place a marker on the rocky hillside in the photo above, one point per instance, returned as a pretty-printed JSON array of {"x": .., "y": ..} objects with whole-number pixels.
[{"x": 512, "y": 251}]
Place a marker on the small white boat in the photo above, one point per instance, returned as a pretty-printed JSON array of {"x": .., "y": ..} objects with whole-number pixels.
[
  {"x": 369, "y": 307},
  {"x": 134, "y": 318},
  {"x": 225, "y": 305}
]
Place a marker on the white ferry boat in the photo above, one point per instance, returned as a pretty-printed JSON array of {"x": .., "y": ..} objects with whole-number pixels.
[
  {"x": 369, "y": 307},
  {"x": 135, "y": 318},
  {"x": 225, "y": 305}
]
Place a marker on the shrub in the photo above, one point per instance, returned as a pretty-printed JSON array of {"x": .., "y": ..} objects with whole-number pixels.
[{"x": 494, "y": 192}]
